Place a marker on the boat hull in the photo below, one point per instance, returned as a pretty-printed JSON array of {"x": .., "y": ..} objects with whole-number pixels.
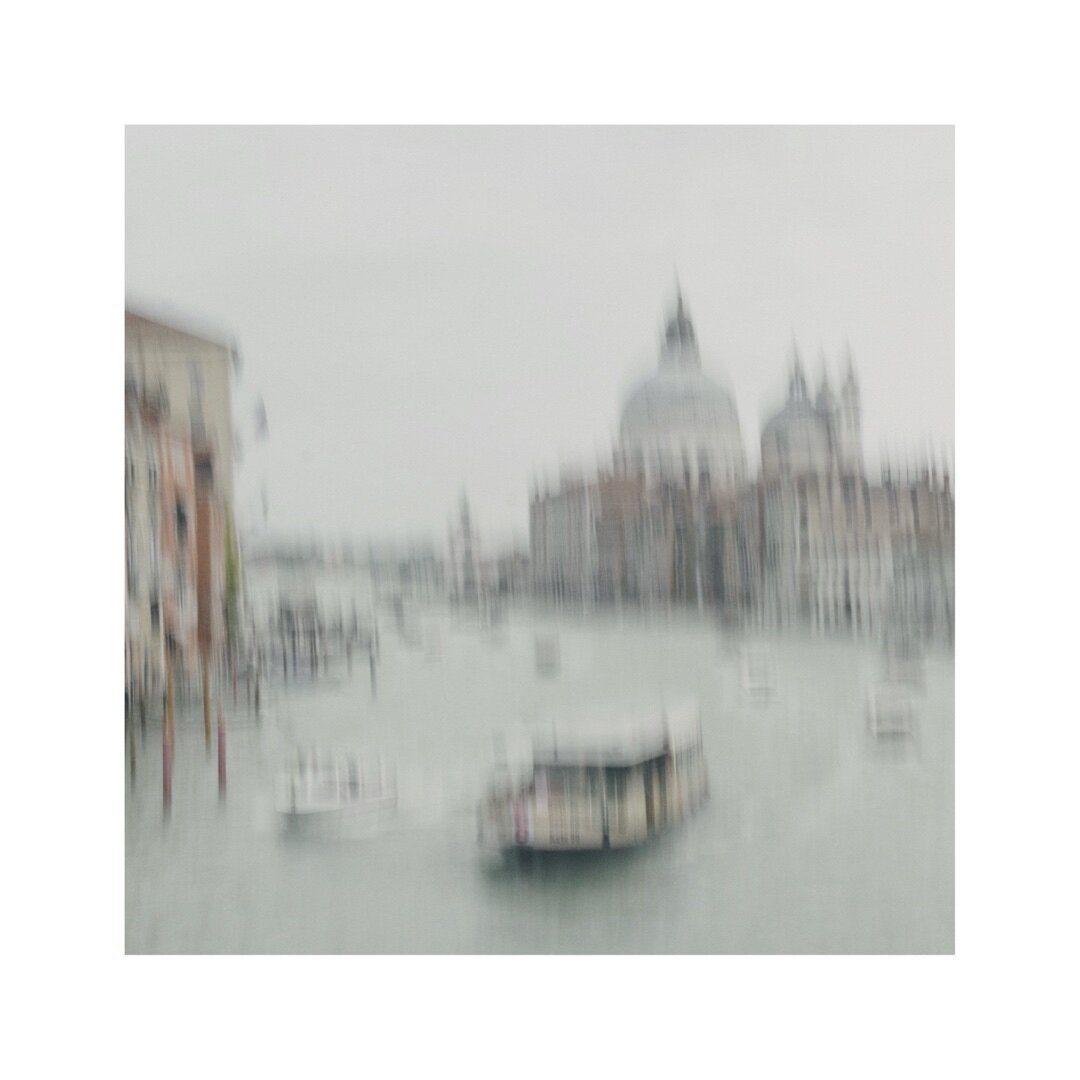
[{"x": 337, "y": 819}]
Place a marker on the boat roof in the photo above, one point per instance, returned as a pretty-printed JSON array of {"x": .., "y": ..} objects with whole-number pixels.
[
  {"x": 891, "y": 695},
  {"x": 617, "y": 740}
]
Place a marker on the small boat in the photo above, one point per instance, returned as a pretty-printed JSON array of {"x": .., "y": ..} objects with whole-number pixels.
[
  {"x": 548, "y": 656},
  {"x": 890, "y": 713},
  {"x": 758, "y": 673},
  {"x": 323, "y": 789},
  {"x": 903, "y": 662},
  {"x": 591, "y": 787}
]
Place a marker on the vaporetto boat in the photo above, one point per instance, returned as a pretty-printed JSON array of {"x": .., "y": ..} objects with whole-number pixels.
[{"x": 595, "y": 784}]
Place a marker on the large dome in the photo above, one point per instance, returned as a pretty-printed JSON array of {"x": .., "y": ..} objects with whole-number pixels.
[
  {"x": 679, "y": 423},
  {"x": 677, "y": 398}
]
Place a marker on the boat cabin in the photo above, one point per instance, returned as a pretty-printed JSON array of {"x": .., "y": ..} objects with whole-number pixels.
[
  {"x": 890, "y": 711},
  {"x": 594, "y": 787}
]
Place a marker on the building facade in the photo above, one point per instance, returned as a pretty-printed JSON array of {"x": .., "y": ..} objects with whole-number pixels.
[
  {"x": 182, "y": 568},
  {"x": 810, "y": 542}
]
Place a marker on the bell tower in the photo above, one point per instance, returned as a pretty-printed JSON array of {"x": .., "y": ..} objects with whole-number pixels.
[{"x": 849, "y": 425}]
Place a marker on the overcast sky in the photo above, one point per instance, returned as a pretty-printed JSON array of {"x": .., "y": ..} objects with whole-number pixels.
[{"x": 426, "y": 310}]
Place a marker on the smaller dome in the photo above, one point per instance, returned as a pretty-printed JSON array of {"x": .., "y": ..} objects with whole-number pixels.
[
  {"x": 791, "y": 416},
  {"x": 826, "y": 400},
  {"x": 795, "y": 440}
]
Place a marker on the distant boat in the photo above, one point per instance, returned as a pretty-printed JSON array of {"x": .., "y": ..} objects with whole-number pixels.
[
  {"x": 321, "y": 789},
  {"x": 591, "y": 788},
  {"x": 890, "y": 712},
  {"x": 757, "y": 670},
  {"x": 548, "y": 655},
  {"x": 903, "y": 662}
]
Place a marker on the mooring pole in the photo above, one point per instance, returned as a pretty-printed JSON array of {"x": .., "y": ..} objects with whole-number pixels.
[
  {"x": 131, "y": 745},
  {"x": 167, "y": 738},
  {"x": 220, "y": 753},
  {"x": 206, "y": 699}
]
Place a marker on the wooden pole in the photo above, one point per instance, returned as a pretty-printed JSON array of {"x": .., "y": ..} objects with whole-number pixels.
[
  {"x": 167, "y": 737},
  {"x": 220, "y": 753},
  {"x": 131, "y": 746},
  {"x": 206, "y": 698}
]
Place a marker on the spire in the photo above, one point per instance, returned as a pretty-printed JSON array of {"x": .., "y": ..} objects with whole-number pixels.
[
  {"x": 826, "y": 401},
  {"x": 797, "y": 382},
  {"x": 680, "y": 340}
]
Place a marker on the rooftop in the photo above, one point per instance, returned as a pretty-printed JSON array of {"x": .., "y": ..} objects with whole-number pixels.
[{"x": 616, "y": 740}]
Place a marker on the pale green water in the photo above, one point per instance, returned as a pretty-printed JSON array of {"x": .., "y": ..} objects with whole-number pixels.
[{"x": 814, "y": 840}]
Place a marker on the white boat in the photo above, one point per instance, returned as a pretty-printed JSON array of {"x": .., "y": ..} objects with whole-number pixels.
[
  {"x": 903, "y": 662},
  {"x": 323, "y": 789},
  {"x": 591, "y": 786},
  {"x": 548, "y": 656},
  {"x": 757, "y": 670},
  {"x": 890, "y": 712}
]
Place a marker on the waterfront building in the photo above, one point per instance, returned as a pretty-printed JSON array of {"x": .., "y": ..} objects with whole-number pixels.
[
  {"x": 144, "y": 664},
  {"x": 811, "y": 542},
  {"x": 470, "y": 574},
  {"x": 598, "y": 539},
  {"x": 839, "y": 552},
  {"x": 183, "y": 574},
  {"x": 167, "y": 525},
  {"x": 512, "y": 573},
  {"x": 659, "y": 526}
]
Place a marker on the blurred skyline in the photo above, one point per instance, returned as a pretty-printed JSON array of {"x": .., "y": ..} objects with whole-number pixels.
[{"x": 426, "y": 310}]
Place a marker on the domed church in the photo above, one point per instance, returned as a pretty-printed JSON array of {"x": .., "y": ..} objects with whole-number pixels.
[
  {"x": 814, "y": 438},
  {"x": 810, "y": 541},
  {"x": 680, "y": 426}
]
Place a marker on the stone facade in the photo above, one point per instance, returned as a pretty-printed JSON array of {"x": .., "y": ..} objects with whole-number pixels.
[
  {"x": 178, "y": 488},
  {"x": 812, "y": 542}
]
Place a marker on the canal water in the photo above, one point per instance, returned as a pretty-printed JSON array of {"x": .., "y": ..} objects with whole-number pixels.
[{"x": 814, "y": 840}]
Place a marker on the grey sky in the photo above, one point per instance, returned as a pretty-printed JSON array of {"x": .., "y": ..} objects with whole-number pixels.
[{"x": 427, "y": 309}]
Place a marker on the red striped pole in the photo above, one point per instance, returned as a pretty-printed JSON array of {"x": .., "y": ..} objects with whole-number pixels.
[
  {"x": 166, "y": 766},
  {"x": 220, "y": 752},
  {"x": 167, "y": 739}
]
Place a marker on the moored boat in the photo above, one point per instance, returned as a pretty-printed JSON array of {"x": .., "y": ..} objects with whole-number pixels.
[
  {"x": 757, "y": 670},
  {"x": 593, "y": 786},
  {"x": 324, "y": 789},
  {"x": 903, "y": 662},
  {"x": 890, "y": 711}
]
